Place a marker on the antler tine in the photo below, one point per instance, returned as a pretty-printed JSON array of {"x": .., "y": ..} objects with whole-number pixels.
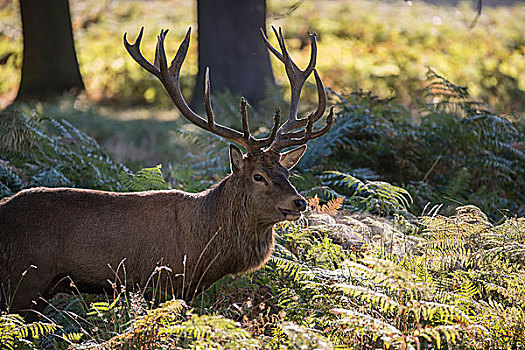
[
  {"x": 293, "y": 139},
  {"x": 134, "y": 51},
  {"x": 329, "y": 122},
  {"x": 244, "y": 115},
  {"x": 296, "y": 76},
  {"x": 282, "y": 45},
  {"x": 207, "y": 100},
  {"x": 270, "y": 47},
  {"x": 321, "y": 97},
  {"x": 313, "y": 52},
  {"x": 269, "y": 140},
  {"x": 157, "y": 58},
  {"x": 161, "y": 62},
  {"x": 177, "y": 61}
]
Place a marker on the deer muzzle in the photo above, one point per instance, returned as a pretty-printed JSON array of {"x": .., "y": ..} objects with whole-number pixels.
[{"x": 294, "y": 213}]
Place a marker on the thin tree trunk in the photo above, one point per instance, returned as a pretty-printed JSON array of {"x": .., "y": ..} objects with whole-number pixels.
[
  {"x": 231, "y": 45},
  {"x": 50, "y": 64}
]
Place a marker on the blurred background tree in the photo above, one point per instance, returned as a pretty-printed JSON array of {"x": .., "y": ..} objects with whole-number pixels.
[
  {"x": 50, "y": 65},
  {"x": 230, "y": 44}
]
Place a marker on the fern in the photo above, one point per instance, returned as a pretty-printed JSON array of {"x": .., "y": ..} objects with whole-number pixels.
[
  {"x": 16, "y": 136},
  {"x": 200, "y": 169},
  {"x": 41, "y": 151},
  {"x": 478, "y": 266},
  {"x": 144, "y": 180},
  {"x": 458, "y": 148},
  {"x": 406, "y": 303},
  {"x": 374, "y": 196},
  {"x": 210, "y": 331},
  {"x": 170, "y": 326},
  {"x": 459, "y": 186},
  {"x": 329, "y": 208},
  {"x": 445, "y": 96},
  {"x": 10, "y": 182},
  {"x": 15, "y": 334}
]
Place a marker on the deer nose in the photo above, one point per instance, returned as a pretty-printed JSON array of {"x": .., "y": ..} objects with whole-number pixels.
[{"x": 300, "y": 204}]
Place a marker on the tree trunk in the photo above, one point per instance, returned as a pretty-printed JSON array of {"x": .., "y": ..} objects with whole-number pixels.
[
  {"x": 231, "y": 45},
  {"x": 50, "y": 64}
]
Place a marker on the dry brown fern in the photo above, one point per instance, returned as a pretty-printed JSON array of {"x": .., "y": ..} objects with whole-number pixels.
[{"x": 329, "y": 208}]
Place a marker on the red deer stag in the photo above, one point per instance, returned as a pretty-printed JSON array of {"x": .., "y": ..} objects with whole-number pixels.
[{"x": 202, "y": 237}]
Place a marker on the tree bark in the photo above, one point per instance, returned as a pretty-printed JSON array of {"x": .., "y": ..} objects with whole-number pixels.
[
  {"x": 49, "y": 66},
  {"x": 231, "y": 45}
]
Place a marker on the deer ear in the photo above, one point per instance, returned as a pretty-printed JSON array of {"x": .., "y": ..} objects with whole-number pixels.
[
  {"x": 235, "y": 158},
  {"x": 290, "y": 158}
]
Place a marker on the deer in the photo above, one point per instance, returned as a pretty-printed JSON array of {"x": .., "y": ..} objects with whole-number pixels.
[{"x": 202, "y": 237}]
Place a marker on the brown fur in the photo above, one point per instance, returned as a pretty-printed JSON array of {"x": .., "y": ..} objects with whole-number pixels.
[{"x": 226, "y": 229}]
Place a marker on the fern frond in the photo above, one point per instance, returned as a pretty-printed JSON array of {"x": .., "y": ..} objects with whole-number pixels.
[
  {"x": 390, "y": 277},
  {"x": 329, "y": 208},
  {"x": 145, "y": 179},
  {"x": 385, "y": 303},
  {"x": 451, "y": 334},
  {"x": 14, "y": 332},
  {"x": 16, "y": 134},
  {"x": 430, "y": 311},
  {"x": 445, "y": 96},
  {"x": 374, "y": 195},
  {"x": 10, "y": 182},
  {"x": 366, "y": 324}
]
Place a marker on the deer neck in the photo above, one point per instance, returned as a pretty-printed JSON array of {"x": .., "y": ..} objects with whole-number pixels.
[{"x": 243, "y": 239}]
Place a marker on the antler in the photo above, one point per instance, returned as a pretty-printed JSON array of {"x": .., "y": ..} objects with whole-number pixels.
[
  {"x": 287, "y": 134},
  {"x": 170, "y": 78}
]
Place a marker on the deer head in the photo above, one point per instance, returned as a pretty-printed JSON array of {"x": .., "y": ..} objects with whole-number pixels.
[{"x": 264, "y": 170}]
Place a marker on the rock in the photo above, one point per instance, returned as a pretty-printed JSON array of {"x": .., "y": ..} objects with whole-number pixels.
[
  {"x": 320, "y": 219},
  {"x": 345, "y": 235},
  {"x": 355, "y": 230}
]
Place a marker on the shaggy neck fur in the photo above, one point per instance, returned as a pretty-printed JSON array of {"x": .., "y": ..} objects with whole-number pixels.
[{"x": 240, "y": 241}]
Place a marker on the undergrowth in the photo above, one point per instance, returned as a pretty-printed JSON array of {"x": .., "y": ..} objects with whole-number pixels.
[
  {"x": 36, "y": 150},
  {"x": 380, "y": 278},
  {"x": 460, "y": 152},
  {"x": 462, "y": 286}
]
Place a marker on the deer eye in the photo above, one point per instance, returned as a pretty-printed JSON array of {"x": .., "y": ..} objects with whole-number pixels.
[{"x": 258, "y": 177}]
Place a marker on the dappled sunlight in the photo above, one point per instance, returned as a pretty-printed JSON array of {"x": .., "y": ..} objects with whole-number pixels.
[{"x": 414, "y": 233}]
